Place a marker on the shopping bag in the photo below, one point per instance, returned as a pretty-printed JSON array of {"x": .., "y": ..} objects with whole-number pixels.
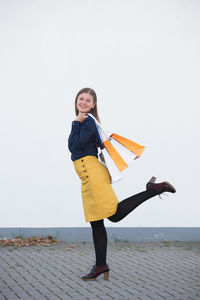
[
  {"x": 116, "y": 151},
  {"x": 106, "y": 159},
  {"x": 128, "y": 156},
  {"x": 132, "y": 146}
]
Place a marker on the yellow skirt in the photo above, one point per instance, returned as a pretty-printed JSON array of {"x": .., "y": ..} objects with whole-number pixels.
[{"x": 99, "y": 199}]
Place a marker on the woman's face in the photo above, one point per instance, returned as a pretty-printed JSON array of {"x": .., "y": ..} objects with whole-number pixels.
[{"x": 85, "y": 103}]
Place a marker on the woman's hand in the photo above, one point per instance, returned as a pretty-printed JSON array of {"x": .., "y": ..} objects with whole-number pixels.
[{"x": 81, "y": 117}]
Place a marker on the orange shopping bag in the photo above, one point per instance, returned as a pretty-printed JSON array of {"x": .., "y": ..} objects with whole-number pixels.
[{"x": 117, "y": 152}]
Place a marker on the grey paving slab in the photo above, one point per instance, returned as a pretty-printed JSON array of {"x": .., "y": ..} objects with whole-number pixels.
[{"x": 138, "y": 270}]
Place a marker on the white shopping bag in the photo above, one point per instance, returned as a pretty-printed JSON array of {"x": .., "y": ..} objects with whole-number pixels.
[
  {"x": 125, "y": 153},
  {"x": 105, "y": 158}
]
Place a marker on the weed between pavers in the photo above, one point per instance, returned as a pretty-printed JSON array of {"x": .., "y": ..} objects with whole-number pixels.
[
  {"x": 166, "y": 244},
  {"x": 140, "y": 249}
]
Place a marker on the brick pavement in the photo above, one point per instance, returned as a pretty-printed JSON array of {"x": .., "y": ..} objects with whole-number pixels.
[{"x": 153, "y": 270}]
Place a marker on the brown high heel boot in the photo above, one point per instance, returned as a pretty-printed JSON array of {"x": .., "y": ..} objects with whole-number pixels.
[
  {"x": 160, "y": 187},
  {"x": 96, "y": 271}
]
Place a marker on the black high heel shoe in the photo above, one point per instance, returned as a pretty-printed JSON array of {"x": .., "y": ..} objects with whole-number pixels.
[
  {"x": 96, "y": 271},
  {"x": 160, "y": 187}
]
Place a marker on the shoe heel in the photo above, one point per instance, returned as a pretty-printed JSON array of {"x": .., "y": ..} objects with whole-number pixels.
[
  {"x": 106, "y": 275},
  {"x": 152, "y": 180}
]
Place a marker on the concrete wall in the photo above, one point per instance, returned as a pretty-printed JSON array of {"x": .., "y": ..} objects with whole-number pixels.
[{"x": 142, "y": 59}]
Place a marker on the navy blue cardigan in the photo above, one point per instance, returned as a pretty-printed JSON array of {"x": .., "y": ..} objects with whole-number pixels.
[{"x": 83, "y": 139}]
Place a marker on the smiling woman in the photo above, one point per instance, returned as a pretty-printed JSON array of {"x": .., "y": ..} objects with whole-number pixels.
[{"x": 98, "y": 196}]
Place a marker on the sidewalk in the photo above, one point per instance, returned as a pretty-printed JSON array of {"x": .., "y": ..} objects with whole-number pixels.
[{"x": 154, "y": 270}]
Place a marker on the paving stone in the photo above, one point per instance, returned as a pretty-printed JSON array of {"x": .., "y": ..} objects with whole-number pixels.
[{"x": 146, "y": 271}]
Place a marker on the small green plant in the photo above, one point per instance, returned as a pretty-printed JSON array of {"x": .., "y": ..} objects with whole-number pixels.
[
  {"x": 188, "y": 248},
  {"x": 116, "y": 239},
  {"x": 57, "y": 235},
  {"x": 20, "y": 236},
  {"x": 140, "y": 249},
  {"x": 20, "y": 233},
  {"x": 11, "y": 267},
  {"x": 34, "y": 238},
  {"x": 166, "y": 244}
]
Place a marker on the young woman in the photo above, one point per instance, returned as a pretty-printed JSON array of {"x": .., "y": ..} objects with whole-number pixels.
[{"x": 99, "y": 199}]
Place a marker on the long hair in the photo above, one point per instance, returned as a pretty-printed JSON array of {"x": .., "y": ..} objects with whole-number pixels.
[{"x": 94, "y": 110}]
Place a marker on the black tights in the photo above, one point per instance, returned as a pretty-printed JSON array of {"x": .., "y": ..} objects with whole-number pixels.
[{"x": 123, "y": 209}]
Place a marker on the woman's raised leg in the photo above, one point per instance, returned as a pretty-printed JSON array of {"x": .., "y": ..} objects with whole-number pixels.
[{"x": 128, "y": 205}]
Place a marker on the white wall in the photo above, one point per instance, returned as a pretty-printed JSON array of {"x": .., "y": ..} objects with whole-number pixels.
[{"x": 142, "y": 59}]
